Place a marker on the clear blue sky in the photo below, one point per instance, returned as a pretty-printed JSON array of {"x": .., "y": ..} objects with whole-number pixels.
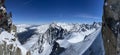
[{"x": 46, "y": 11}]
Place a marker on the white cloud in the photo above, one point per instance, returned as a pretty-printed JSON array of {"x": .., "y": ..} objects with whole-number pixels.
[{"x": 87, "y": 16}]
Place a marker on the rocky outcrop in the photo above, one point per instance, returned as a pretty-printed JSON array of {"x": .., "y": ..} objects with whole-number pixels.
[
  {"x": 52, "y": 34},
  {"x": 111, "y": 27},
  {"x": 9, "y": 45}
]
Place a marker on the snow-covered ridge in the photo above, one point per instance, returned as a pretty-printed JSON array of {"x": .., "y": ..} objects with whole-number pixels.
[
  {"x": 45, "y": 39},
  {"x": 67, "y": 26}
]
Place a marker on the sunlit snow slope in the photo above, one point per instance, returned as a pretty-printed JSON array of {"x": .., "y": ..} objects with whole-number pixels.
[{"x": 62, "y": 39}]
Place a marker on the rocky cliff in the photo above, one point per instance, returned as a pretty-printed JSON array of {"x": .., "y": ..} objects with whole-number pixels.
[
  {"x": 111, "y": 27},
  {"x": 9, "y": 45}
]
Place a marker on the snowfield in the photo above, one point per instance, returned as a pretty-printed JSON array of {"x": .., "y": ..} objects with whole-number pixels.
[
  {"x": 75, "y": 38},
  {"x": 78, "y": 37},
  {"x": 81, "y": 48}
]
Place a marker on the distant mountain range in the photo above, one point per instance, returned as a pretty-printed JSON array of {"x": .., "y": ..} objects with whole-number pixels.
[{"x": 59, "y": 39}]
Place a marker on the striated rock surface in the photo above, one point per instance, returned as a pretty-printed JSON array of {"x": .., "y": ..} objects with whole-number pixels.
[{"x": 111, "y": 27}]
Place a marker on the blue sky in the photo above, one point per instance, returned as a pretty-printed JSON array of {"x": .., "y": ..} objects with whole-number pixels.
[{"x": 46, "y": 11}]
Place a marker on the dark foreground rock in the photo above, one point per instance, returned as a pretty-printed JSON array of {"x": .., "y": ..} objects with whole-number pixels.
[{"x": 111, "y": 27}]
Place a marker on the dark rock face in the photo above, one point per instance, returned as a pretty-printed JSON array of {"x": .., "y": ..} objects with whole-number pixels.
[
  {"x": 54, "y": 32},
  {"x": 56, "y": 49},
  {"x": 111, "y": 27}
]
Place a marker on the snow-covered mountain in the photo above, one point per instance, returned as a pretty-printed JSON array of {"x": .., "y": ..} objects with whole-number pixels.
[{"x": 61, "y": 39}]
